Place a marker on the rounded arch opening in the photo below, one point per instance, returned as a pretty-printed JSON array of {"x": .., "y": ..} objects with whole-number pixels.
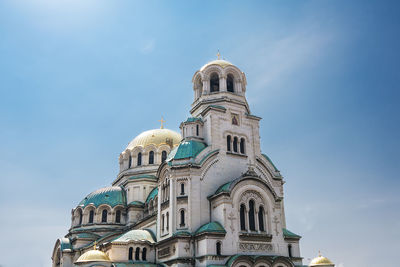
[{"x": 214, "y": 82}]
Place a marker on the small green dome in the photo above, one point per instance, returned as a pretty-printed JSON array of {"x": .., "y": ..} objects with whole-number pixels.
[
  {"x": 136, "y": 235},
  {"x": 112, "y": 195}
]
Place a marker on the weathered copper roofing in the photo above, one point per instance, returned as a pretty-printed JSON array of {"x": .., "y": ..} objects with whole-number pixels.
[
  {"x": 211, "y": 227},
  {"x": 153, "y": 193},
  {"x": 113, "y": 196},
  {"x": 135, "y": 235},
  {"x": 186, "y": 150}
]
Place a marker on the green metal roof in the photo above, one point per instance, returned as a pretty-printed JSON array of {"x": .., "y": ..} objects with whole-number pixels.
[
  {"x": 65, "y": 243},
  {"x": 153, "y": 193},
  {"x": 186, "y": 149},
  {"x": 88, "y": 235},
  {"x": 216, "y": 106},
  {"x": 142, "y": 177},
  {"x": 135, "y": 235},
  {"x": 211, "y": 227},
  {"x": 287, "y": 233},
  {"x": 136, "y": 203},
  {"x": 192, "y": 119},
  {"x": 182, "y": 233},
  {"x": 270, "y": 161},
  {"x": 224, "y": 188},
  {"x": 113, "y": 196}
]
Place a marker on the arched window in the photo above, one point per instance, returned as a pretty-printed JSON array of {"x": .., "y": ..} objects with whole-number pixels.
[
  {"x": 242, "y": 217},
  {"x": 80, "y": 217},
  {"x": 118, "y": 216},
  {"x": 137, "y": 253},
  {"x": 162, "y": 223},
  {"x": 182, "y": 189},
  {"x": 182, "y": 218},
  {"x": 91, "y": 216},
  {"x": 104, "y": 216},
  {"x": 130, "y": 254},
  {"x": 261, "y": 219},
  {"x": 252, "y": 223},
  {"x": 228, "y": 143},
  {"x": 229, "y": 83},
  {"x": 218, "y": 248},
  {"x": 151, "y": 157},
  {"x": 235, "y": 144},
  {"x": 163, "y": 156},
  {"x": 214, "y": 82},
  {"x": 130, "y": 161},
  {"x": 139, "y": 159},
  {"x": 197, "y": 130},
  {"x": 242, "y": 145},
  {"x": 167, "y": 221},
  {"x": 144, "y": 254},
  {"x": 290, "y": 250}
]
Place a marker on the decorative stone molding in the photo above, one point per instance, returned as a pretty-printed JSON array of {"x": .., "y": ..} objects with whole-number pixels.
[{"x": 255, "y": 247}]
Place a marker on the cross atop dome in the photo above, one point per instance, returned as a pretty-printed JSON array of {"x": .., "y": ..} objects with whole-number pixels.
[{"x": 162, "y": 122}]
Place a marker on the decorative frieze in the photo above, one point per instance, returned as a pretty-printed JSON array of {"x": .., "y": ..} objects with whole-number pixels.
[
  {"x": 255, "y": 247},
  {"x": 164, "y": 252}
]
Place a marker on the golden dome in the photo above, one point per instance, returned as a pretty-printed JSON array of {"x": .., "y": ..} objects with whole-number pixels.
[
  {"x": 156, "y": 137},
  {"x": 321, "y": 261},
  {"x": 219, "y": 62},
  {"x": 93, "y": 255}
]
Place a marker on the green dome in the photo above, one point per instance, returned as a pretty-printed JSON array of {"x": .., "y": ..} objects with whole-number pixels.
[
  {"x": 136, "y": 235},
  {"x": 113, "y": 196}
]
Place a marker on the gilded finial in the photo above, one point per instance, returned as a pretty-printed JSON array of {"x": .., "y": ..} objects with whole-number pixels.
[
  {"x": 319, "y": 253},
  {"x": 218, "y": 55},
  {"x": 95, "y": 245},
  {"x": 162, "y": 122}
]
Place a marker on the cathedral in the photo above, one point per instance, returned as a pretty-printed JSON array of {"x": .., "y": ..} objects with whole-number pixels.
[{"x": 207, "y": 196}]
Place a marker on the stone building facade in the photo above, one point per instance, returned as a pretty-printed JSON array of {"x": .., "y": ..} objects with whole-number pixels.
[{"x": 205, "y": 197}]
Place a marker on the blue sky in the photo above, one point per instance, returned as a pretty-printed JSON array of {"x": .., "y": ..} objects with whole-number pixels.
[{"x": 80, "y": 79}]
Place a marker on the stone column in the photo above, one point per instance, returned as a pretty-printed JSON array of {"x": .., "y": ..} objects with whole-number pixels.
[
  {"x": 222, "y": 83},
  {"x": 172, "y": 205}
]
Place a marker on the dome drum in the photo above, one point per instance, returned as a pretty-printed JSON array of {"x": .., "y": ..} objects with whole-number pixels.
[{"x": 218, "y": 76}]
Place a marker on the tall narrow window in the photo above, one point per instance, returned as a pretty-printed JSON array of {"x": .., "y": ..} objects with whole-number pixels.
[
  {"x": 162, "y": 223},
  {"x": 80, "y": 217},
  {"x": 214, "y": 83},
  {"x": 167, "y": 221},
  {"x": 139, "y": 159},
  {"x": 290, "y": 250},
  {"x": 197, "y": 130},
  {"x": 91, "y": 215},
  {"x": 144, "y": 251},
  {"x": 229, "y": 83},
  {"x": 218, "y": 248},
  {"x": 261, "y": 219},
  {"x": 182, "y": 218},
  {"x": 137, "y": 253},
  {"x": 130, "y": 254},
  {"x": 242, "y": 217},
  {"x": 235, "y": 144},
  {"x": 151, "y": 157},
  {"x": 242, "y": 145},
  {"x": 130, "y": 161},
  {"x": 163, "y": 156},
  {"x": 118, "y": 216},
  {"x": 228, "y": 143},
  {"x": 104, "y": 216},
  {"x": 252, "y": 223},
  {"x": 182, "y": 189}
]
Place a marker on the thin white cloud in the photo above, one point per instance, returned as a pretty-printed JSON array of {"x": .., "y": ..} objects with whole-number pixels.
[{"x": 148, "y": 46}]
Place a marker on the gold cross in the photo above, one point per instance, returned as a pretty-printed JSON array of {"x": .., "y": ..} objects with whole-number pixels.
[
  {"x": 162, "y": 122},
  {"x": 218, "y": 55},
  {"x": 95, "y": 245}
]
